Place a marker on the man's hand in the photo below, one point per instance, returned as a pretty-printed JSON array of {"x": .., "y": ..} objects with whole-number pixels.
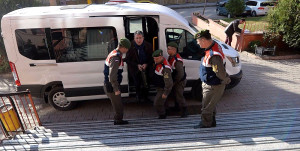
[
  {"x": 144, "y": 66},
  {"x": 164, "y": 96},
  {"x": 140, "y": 67},
  {"x": 226, "y": 81},
  {"x": 117, "y": 92}
]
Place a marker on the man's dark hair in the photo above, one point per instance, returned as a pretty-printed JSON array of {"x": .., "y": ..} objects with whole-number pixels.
[
  {"x": 205, "y": 34},
  {"x": 138, "y": 32},
  {"x": 243, "y": 19}
]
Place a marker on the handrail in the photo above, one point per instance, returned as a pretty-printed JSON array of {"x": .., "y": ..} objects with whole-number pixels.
[
  {"x": 154, "y": 43},
  {"x": 16, "y": 113}
]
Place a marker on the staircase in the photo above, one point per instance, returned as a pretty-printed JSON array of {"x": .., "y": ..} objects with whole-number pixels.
[{"x": 255, "y": 130}]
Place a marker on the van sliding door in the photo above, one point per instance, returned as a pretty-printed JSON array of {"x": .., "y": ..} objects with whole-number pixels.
[{"x": 81, "y": 47}]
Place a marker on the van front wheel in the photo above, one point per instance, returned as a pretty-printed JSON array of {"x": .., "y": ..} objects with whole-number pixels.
[{"x": 58, "y": 100}]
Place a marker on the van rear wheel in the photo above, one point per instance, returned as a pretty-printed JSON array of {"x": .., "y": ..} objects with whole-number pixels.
[{"x": 58, "y": 100}]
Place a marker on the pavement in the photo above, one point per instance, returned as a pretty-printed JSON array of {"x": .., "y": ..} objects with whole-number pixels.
[{"x": 276, "y": 129}]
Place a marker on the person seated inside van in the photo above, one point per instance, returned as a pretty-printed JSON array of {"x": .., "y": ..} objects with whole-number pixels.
[{"x": 140, "y": 65}]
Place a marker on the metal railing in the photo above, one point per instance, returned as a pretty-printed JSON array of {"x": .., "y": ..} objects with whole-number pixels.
[
  {"x": 256, "y": 27},
  {"x": 17, "y": 114}
]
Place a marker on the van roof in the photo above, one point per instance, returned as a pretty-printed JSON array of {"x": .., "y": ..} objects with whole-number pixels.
[{"x": 127, "y": 9}]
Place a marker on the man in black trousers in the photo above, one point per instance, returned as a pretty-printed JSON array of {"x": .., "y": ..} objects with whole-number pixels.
[{"x": 231, "y": 28}]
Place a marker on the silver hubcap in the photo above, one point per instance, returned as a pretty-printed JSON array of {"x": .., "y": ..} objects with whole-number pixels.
[{"x": 60, "y": 99}]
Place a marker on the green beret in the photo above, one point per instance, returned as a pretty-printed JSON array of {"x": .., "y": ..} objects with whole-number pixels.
[
  {"x": 157, "y": 53},
  {"x": 173, "y": 44},
  {"x": 202, "y": 33},
  {"x": 124, "y": 42}
]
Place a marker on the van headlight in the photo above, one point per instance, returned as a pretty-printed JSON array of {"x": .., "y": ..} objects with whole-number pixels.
[{"x": 234, "y": 61}]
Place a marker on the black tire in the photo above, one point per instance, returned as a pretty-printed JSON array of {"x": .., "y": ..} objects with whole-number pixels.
[
  {"x": 253, "y": 14},
  {"x": 57, "y": 99},
  {"x": 233, "y": 83},
  {"x": 197, "y": 91}
]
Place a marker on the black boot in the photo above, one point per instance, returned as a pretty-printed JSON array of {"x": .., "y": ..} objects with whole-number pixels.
[
  {"x": 184, "y": 112},
  {"x": 121, "y": 122},
  {"x": 200, "y": 125},
  {"x": 214, "y": 123},
  {"x": 175, "y": 108}
]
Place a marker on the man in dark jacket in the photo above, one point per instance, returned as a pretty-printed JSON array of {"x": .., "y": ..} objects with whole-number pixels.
[
  {"x": 140, "y": 64},
  {"x": 231, "y": 28}
]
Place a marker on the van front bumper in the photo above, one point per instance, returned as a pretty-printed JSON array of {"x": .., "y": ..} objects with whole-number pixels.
[{"x": 235, "y": 80}]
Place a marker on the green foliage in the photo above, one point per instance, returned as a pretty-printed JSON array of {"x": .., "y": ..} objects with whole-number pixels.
[
  {"x": 235, "y": 7},
  {"x": 253, "y": 44},
  {"x": 4, "y": 65},
  {"x": 284, "y": 20},
  {"x": 271, "y": 39}
]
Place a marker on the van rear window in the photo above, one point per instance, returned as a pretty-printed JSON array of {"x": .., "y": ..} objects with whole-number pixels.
[
  {"x": 32, "y": 43},
  {"x": 83, "y": 44}
]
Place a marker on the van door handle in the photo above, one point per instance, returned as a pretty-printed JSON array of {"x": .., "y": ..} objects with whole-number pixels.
[{"x": 42, "y": 64}]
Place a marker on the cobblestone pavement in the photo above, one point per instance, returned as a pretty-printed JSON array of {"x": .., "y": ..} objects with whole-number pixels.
[{"x": 266, "y": 84}]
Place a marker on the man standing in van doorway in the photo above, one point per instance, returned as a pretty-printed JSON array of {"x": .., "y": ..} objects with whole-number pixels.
[
  {"x": 213, "y": 76},
  {"x": 231, "y": 28},
  {"x": 178, "y": 76},
  {"x": 113, "y": 69},
  {"x": 162, "y": 79},
  {"x": 140, "y": 65}
]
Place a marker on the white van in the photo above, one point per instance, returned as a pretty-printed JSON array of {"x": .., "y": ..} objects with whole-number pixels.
[{"x": 58, "y": 52}]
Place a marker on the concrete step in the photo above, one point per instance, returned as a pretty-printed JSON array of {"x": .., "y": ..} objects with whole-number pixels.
[
  {"x": 258, "y": 130},
  {"x": 224, "y": 131},
  {"x": 133, "y": 127},
  {"x": 208, "y": 140},
  {"x": 249, "y": 114},
  {"x": 246, "y": 118}
]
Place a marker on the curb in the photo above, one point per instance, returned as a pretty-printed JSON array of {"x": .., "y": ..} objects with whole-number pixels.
[{"x": 287, "y": 57}]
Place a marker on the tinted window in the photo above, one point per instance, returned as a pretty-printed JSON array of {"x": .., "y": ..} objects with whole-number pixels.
[
  {"x": 266, "y": 4},
  {"x": 32, "y": 43},
  {"x": 187, "y": 45},
  {"x": 251, "y": 3},
  {"x": 83, "y": 44}
]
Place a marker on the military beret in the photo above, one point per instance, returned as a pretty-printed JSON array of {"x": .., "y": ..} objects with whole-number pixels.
[
  {"x": 173, "y": 44},
  {"x": 157, "y": 53},
  {"x": 202, "y": 33},
  {"x": 124, "y": 42}
]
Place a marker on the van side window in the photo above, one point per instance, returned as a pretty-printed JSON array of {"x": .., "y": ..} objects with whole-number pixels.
[
  {"x": 32, "y": 43},
  {"x": 187, "y": 45},
  {"x": 83, "y": 44}
]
